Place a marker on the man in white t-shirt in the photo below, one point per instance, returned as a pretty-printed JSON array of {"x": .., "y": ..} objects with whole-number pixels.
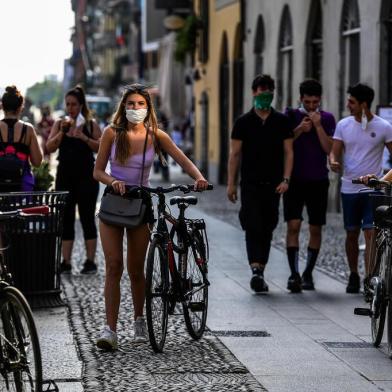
[{"x": 361, "y": 138}]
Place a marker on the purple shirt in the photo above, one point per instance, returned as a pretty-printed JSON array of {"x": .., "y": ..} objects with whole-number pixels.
[
  {"x": 131, "y": 171},
  {"x": 310, "y": 160}
]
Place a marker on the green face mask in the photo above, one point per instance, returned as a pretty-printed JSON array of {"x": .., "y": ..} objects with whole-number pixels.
[{"x": 263, "y": 100}]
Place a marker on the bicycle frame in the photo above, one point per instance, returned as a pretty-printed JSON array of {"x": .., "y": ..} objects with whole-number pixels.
[{"x": 180, "y": 228}]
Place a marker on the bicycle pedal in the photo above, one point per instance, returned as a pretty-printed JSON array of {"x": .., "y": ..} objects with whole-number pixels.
[
  {"x": 196, "y": 306},
  {"x": 363, "y": 312}
]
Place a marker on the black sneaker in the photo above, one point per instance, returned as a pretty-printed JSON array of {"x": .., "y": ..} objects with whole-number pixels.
[
  {"x": 257, "y": 282},
  {"x": 307, "y": 281},
  {"x": 354, "y": 283},
  {"x": 89, "y": 267},
  {"x": 294, "y": 283},
  {"x": 65, "y": 267}
]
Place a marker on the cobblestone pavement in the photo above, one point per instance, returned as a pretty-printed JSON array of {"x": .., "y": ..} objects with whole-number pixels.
[{"x": 185, "y": 365}]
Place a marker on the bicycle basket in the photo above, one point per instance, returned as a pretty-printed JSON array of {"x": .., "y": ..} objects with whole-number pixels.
[{"x": 199, "y": 226}]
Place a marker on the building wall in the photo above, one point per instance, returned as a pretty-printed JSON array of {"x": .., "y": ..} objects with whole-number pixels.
[
  {"x": 271, "y": 11},
  {"x": 224, "y": 17}
]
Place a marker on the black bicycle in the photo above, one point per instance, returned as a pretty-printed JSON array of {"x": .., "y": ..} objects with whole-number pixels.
[
  {"x": 176, "y": 268},
  {"x": 378, "y": 288},
  {"x": 20, "y": 353}
]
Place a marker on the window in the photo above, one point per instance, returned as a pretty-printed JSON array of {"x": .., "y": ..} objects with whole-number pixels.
[
  {"x": 350, "y": 48},
  {"x": 285, "y": 61},
  {"x": 314, "y": 42},
  {"x": 259, "y": 46},
  {"x": 386, "y": 53}
]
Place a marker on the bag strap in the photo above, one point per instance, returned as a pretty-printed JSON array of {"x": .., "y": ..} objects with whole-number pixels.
[
  {"x": 144, "y": 157},
  {"x": 10, "y": 137},
  {"x": 23, "y": 133}
]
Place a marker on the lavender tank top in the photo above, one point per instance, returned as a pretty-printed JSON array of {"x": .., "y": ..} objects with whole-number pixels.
[{"x": 131, "y": 171}]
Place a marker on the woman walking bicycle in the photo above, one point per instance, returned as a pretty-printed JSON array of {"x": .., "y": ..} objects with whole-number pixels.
[{"x": 129, "y": 144}]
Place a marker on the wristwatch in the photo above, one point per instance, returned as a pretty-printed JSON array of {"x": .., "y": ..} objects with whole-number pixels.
[{"x": 286, "y": 180}]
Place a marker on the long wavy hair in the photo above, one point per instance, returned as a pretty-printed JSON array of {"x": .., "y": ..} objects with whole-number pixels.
[
  {"x": 120, "y": 122},
  {"x": 80, "y": 95}
]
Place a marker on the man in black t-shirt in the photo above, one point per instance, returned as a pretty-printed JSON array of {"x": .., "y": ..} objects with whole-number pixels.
[{"x": 262, "y": 147}]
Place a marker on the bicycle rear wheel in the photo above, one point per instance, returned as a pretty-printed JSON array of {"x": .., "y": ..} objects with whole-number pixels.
[
  {"x": 194, "y": 277},
  {"x": 20, "y": 348},
  {"x": 157, "y": 281},
  {"x": 379, "y": 303}
]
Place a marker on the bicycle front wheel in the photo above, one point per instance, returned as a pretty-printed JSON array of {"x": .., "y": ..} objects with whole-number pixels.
[
  {"x": 194, "y": 278},
  {"x": 20, "y": 350},
  {"x": 379, "y": 303},
  {"x": 157, "y": 282}
]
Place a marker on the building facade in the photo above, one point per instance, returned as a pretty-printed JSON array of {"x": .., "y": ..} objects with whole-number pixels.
[
  {"x": 218, "y": 83},
  {"x": 339, "y": 42}
]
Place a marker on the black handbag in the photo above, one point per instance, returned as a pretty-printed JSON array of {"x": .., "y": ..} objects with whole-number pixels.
[{"x": 117, "y": 210}]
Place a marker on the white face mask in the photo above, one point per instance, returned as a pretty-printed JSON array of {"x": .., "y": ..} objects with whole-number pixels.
[
  {"x": 304, "y": 111},
  {"x": 136, "y": 116}
]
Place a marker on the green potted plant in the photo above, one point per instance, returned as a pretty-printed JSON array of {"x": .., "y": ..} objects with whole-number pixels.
[
  {"x": 43, "y": 178},
  {"x": 186, "y": 37}
]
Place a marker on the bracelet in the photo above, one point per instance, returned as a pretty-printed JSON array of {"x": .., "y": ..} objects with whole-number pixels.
[
  {"x": 111, "y": 184},
  {"x": 286, "y": 180}
]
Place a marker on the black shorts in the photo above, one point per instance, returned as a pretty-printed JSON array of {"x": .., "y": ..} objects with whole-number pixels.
[{"x": 313, "y": 195}]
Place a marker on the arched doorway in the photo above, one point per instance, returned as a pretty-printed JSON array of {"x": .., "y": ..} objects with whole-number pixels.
[
  {"x": 204, "y": 134},
  {"x": 314, "y": 42},
  {"x": 350, "y": 54},
  {"x": 238, "y": 74},
  {"x": 258, "y": 47},
  {"x": 224, "y": 100},
  {"x": 386, "y": 53},
  {"x": 285, "y": 61}
]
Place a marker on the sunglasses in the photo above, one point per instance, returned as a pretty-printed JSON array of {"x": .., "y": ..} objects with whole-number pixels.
[{"x": 135, "y": 88}]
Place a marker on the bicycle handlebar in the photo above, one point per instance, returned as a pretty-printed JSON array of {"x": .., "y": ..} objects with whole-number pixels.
[
  {"x": 372, "y": 183},
  {"x": 160, "y": 189}
]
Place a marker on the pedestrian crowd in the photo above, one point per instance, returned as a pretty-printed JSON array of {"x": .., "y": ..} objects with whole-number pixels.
[
  {"x": 274, "y": 153},
  {"x": 271, "y": 154}
]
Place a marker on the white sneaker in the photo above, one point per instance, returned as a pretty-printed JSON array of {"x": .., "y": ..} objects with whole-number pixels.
[
  {"x": 140, "y": 328},
  {"x": 108, "y": 339}
]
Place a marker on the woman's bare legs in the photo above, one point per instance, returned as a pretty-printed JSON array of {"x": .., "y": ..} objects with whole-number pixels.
[
  {"x": 112, "y": 244},
  {"x": 137, "y": 246}
]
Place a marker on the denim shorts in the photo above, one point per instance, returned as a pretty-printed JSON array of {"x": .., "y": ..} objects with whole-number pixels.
[{"x": 357, "y": 211}]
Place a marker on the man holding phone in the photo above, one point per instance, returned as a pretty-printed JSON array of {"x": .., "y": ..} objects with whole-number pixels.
[{"x": 313, "y": 130}]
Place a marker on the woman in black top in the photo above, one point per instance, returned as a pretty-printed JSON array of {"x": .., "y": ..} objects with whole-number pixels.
[
  {"x": 18, "y": 142},
  {"x": 77, "y": 138}
]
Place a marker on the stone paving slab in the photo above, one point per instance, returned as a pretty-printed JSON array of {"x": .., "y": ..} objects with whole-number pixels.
[{"x": 185, "y": 365}]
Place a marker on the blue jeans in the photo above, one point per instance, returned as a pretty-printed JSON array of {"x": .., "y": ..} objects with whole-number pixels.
[{"x": 357, "y": 211}]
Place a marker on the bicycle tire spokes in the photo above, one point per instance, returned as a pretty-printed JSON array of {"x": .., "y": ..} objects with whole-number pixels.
[
  {"x": 156, "y": 296},
  {"x": 19, "y": 345},
  {"x": 195, "y": 294}
]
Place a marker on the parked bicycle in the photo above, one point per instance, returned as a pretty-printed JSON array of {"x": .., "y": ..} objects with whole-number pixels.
[
  {"x": 378, "y": 290},
  {"x": 20, "y": 354},
  {"x": 176, "y": 268}
]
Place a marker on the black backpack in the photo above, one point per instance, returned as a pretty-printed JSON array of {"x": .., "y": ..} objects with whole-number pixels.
[{"x": 11, "y": 166}]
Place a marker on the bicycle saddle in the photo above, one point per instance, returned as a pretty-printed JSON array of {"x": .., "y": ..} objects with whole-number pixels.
[
  {"x": 383, "y": 215},
  {"x": 183, "y": 200}
]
